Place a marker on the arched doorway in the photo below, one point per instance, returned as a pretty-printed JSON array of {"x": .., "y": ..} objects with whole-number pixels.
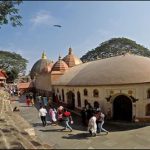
[
  {"x": 71, "y": 100},
  {"x": 122, "y": 108}
]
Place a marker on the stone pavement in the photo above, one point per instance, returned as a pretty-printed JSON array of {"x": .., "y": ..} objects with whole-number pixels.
[
  {"x": 120, "y": 136},
  {"x": 14, "y": 130}
]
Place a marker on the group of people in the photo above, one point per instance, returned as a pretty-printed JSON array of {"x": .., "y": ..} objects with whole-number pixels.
[
  {"x": 56, "y": 115},
  {"x": 13, "y": 91},
  {"x": 96, "y": 123},
  {"x": 93, "y": 118},
  {"x": 29, "y": 100}
]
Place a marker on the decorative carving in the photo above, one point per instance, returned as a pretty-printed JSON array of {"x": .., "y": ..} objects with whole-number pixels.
[
  {"x": 134, "y": 99},
  {"x": 130, "y": 92},
  {"x": 111, "y": 92},
  {"x": 108, "y": 98}
]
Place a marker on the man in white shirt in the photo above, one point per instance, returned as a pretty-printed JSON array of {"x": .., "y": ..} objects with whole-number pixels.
[
  {"x": 42, "y": 114},
  {"x": 92, "y": 126}
]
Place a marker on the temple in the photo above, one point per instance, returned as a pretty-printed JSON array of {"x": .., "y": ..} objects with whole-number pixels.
[{"x": 120, "y": 85}]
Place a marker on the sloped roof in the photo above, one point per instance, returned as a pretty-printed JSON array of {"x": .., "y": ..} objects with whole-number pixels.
[
  {"x": 3, "y": 75},
  {"x": 124, "y": 69},
  {"x": 25, "y": 85}
]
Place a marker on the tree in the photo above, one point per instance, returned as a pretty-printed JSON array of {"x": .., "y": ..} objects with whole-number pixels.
[
  {"x": 12, "y": 75},
  {"x": 115, "y": 47},
  {"x": 12, "y": 63},
  {"x": 9, "y": 12}
]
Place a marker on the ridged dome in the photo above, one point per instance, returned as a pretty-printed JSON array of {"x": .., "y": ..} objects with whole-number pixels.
[
  {"x": 71, "y": 60},
  {"x": 60, "y": 65},
  {"x": 124, "y": 69},
  {"x": 41, "y": 66}
]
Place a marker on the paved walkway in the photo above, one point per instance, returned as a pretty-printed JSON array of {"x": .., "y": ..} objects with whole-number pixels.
[
  {"x": 14, "y": 130},
  {"x": 129, "y": 137}
]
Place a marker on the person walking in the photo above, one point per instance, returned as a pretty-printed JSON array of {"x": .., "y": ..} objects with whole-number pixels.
[
  {"x": 98, "y": 120},
  {"x": 67, "y": 117},
  {"x": 40, "y": 100},
  {"x": 84, "y": 116},
  {"x": 102, "y": 116},
  {"x": 52, "y": 113},
  {"x": 92, "y": 126},
  {"x": 27, "y": 100},
  {"x": 42, "y": 114},
  {"x": 31, "y": 99}
]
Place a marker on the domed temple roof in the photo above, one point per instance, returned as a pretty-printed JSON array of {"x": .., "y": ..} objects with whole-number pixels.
[
  {"x": 41, "y": 66},
  {"x": 71, "y": 60},
  {"x": 124, "y": 69},
  {"x": 60, "y": 65}
]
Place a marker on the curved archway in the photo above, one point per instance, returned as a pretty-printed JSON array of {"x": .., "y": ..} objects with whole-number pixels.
[
  {"x": 71, "y": 100},
  {"x": 148, "y": 93},
  {"x": 122, "y": 108},
  {"x": 147, "y": 110}
]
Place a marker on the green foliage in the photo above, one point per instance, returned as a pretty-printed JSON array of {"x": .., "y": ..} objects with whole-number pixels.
[
  {"x": 12, "y": 63},
  {"x": 114, "y": 47},
  {"x": 12, "y": 75},
  {"x": 9, "y": 12}
]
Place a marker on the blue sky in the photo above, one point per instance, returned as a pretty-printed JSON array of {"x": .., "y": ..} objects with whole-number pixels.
[{"x": 85, "y": 24}]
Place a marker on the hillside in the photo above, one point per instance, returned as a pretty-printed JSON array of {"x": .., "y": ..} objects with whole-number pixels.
[{"x": 114, "y": 47}]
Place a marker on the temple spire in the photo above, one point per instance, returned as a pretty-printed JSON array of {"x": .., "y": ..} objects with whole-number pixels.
[
  {"x": 59, "y": 58},
  {"x": 44, "y": 55},
  {"x": 70, "y": 51}
]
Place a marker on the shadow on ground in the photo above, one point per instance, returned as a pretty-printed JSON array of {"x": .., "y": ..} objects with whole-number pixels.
[
  {"x": 79, "y": 136},
  {"x": 54, "y": 130}
]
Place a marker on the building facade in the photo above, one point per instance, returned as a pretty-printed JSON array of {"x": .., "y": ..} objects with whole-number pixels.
[{"x": 120, "y": 85}]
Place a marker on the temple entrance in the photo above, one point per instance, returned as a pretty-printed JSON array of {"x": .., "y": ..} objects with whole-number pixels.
[
  {"x": 70, "y": 100},
  {"x": 122, "y": 108}
]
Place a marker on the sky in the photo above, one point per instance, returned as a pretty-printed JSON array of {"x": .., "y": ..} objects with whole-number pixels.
[{"x": 85, "y": 24}]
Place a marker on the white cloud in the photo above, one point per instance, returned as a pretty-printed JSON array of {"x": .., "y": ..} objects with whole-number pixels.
[{"x": 43, "y": 18}]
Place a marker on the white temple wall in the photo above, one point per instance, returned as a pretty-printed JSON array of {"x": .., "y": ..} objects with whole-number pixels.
[{"x": 139, "y": 91}]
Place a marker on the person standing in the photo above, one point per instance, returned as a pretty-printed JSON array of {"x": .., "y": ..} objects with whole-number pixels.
[
  {"x": 42, "y": 114},
  {"x": 45, "y": 100},
  {"x": 32, "y": 101},
  {"x": 60, "y": 113},
  {"x": 84, "y": 116}
]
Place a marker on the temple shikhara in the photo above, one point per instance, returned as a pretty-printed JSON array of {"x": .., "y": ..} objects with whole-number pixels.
[{"x": 120, "y": 85}]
